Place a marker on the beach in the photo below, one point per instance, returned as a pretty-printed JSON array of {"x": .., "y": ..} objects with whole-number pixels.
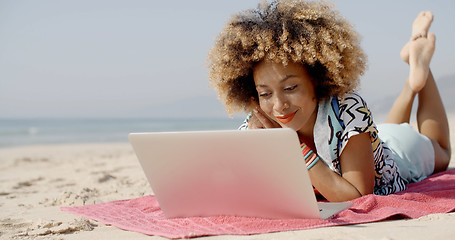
[{"x": 36, "y": 180}]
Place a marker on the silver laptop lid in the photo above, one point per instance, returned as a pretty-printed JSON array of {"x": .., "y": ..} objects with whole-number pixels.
[{"x": 257, "y": 173}]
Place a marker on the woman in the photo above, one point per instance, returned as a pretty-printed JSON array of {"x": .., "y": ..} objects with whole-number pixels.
[{"x": 297, "y": 64}]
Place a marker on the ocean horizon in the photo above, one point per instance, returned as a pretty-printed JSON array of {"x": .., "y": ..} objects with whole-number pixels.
[{"x": 26, "y": 131}]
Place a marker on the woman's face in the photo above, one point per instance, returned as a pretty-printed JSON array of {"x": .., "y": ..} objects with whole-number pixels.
[{"x": 286, "y": 95}]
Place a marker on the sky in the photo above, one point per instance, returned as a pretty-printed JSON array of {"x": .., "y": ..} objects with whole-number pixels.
[{"x": 147, "y": 58}]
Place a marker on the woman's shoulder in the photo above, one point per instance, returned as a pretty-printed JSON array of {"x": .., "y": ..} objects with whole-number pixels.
[
  {"x": 350, "y": 103},
  {"x": 350, "y": 97},
  {"x": 352, "y": 109}
]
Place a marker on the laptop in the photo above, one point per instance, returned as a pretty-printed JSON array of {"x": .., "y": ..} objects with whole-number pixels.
[{"x": 254, "y": 173}]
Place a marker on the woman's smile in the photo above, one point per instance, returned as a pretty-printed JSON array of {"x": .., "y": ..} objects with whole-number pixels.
[{"x": 286, "y": 118}]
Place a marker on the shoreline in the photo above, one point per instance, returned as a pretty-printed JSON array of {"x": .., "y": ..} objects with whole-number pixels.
[{"x": 119, "y": 137}]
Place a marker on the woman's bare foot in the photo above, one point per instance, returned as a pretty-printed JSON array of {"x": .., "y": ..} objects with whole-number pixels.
[
  {"x": 420, "y": 28},
  {"x": 420, "y": 53},
  {"x": 404, "y": 54}
]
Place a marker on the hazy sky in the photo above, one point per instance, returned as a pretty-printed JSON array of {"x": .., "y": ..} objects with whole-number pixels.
[{"x": 111, "y": 58}]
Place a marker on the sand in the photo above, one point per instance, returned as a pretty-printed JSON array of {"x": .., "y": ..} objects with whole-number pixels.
[{"x": 36, "y": 180}]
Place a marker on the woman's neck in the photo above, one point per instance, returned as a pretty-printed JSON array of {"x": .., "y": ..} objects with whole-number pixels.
[{"x": 306, "y": 133}]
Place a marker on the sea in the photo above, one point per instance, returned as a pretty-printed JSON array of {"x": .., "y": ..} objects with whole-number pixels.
[{"x": 22, "y": 132}]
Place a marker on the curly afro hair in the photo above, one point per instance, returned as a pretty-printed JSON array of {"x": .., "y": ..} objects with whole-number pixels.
[{"x": 310, "y": 33}]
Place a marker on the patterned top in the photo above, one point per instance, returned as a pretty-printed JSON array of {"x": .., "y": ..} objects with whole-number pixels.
[{"x": 337, "y": 121}]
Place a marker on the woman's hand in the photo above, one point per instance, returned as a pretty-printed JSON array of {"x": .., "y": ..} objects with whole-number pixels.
[{"x": 260, "y": 120}]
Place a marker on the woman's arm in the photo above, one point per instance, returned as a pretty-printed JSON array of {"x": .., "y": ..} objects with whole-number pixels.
[{"x": 357, "y": 166}]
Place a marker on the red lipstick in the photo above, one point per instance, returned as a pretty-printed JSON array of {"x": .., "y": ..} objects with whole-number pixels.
[{"x": 286, "y": 118}]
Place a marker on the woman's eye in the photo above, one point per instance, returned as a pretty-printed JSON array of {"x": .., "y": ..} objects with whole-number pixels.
[
  {"x": 290, "y": 88},
  {"x": 264, "y": 94}
]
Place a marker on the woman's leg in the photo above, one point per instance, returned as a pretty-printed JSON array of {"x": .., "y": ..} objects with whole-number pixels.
[
  {"x": 432, "y": 122},
  {"x": 431, "y": 116},
  {"x": 402, "y": 107}
]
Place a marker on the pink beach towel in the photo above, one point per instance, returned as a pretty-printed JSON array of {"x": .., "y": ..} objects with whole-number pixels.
[{"x": 435, "y": 194}]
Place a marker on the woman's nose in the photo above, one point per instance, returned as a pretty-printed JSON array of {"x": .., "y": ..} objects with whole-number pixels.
[{"x": 280, "y": 104}]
